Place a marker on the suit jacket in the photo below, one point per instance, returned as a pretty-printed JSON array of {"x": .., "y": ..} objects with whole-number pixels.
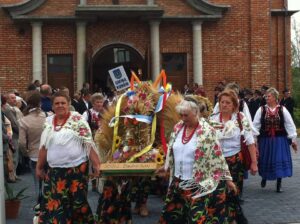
[
  {"x": 75, "y": 103},
  {"x": 81, "y": 107}
]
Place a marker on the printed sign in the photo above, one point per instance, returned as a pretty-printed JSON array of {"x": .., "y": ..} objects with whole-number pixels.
[{"x": 119, "y": 78}]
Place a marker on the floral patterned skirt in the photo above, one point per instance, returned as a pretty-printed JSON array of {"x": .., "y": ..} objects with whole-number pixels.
[
  {"x": 237, "y": 172},
  {"x": 179, "y": 208},
  {"x": 65, "y": 196},
  {"x": 114, "y": 206},
  {"x": 140, "y": 190}
]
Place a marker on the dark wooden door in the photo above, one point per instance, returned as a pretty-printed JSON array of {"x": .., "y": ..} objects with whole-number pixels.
[
  {"x": 175, "y": 65},
  {"x": 60, "y": 71}
]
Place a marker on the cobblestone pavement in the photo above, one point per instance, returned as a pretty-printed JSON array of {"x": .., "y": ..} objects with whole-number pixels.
[{"x": 261, "y": 206}]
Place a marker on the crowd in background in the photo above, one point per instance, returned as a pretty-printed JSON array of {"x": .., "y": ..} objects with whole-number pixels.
[
  {"x": 24, "y": 115},
  {"x": 254, "y": 98}
]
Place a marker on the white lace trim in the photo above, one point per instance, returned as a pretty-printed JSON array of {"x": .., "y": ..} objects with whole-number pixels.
[
  {"x": 204, "y": 187},
  {"x": 64, "y": 136}
]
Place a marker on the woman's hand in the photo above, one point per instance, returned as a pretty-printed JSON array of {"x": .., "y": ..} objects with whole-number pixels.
[
  {"x": 294, "y": 146},
  {"x": 253, "y": 168},
  {"x": 96, "y": 171},
  {"x": 95, "y": 163},
  {"x": 40, "y": 173},
  {"x": 254, "y": 155},
  {"x": 42, "y": 159},
  {"x": 231, "y": 186}
]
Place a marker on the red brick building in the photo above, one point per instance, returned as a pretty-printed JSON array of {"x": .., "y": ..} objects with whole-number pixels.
[{"x": 68, "y": 42}]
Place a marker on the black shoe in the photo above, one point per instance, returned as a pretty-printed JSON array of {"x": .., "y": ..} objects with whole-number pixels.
[
  {"x": 278, "y": 186},
  {"x": 263, "y": 183}
]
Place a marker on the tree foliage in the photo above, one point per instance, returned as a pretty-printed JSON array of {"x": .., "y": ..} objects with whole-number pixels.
[
  {"x": 296, "y": 44},
  {"x": 296, "y": 69}
]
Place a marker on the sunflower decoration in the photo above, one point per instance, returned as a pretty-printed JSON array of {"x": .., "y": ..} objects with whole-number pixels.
[
  {"x": 118, "y": 141},
  {"x": 159, "y": 159},
  {"x": 161, "y": 151},
  {"x": 133, "y": 136}
]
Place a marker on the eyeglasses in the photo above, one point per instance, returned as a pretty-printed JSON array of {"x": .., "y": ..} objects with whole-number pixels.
[{"x": 183, "y": 115}]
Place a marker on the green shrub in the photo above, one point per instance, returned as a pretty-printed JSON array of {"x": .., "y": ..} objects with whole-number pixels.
[
  {"x": 296, "y": 95},
  {"x": 297, "y": 116}
]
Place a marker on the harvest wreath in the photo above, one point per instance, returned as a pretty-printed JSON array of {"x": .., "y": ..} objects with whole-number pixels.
[{"x": 134, "y": 133}]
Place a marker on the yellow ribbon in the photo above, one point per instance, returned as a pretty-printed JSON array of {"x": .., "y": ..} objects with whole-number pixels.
[
  {"x": 117, "y": 114},
  {"x": 148, "y": 147}
]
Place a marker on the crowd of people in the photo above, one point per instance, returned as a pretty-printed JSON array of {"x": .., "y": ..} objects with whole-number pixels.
[{"x": 54, "y": 136}]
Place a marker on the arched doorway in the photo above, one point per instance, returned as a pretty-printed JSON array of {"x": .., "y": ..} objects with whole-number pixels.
[{"x": 113, "y": 56}]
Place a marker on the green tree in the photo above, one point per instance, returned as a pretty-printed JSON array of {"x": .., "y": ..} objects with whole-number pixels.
[{"x": 296, "y": 69}]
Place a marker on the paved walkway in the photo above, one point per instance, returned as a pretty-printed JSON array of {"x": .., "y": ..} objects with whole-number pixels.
[{"x": 262, "y": 206}]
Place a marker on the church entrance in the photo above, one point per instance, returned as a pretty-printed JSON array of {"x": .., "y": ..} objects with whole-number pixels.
[{"x": 113, "y": 56}]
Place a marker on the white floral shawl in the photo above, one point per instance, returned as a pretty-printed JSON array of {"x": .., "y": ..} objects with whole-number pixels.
[
  {"x": 209, "y": 166},
  {"x": 75, "y": 126}
]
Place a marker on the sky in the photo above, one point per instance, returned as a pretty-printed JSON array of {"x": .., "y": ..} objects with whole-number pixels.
[{"x": 295, "y": 5}]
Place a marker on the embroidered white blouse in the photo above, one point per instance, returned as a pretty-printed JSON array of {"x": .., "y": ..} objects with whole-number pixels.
[
  {"x": 245, "y": 111},
  {"x": 288, "y": 122},
  {"x": 229, "y": 133},
  {"x": 184, "y": 156},
  {"x": 70, "y": 146},
  {"x": 93, "y": 112}
]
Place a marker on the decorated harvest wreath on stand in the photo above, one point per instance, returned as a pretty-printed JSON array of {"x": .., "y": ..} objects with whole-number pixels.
[{"x": 134, "y": 134}]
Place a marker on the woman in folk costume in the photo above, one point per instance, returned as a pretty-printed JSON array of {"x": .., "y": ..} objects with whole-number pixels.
[
  {"x": 67, "y": 146},
  {"x": 275, "y": 129},
  {"x": 199, "y": 173},
  {"x": 228, "y": 123}
]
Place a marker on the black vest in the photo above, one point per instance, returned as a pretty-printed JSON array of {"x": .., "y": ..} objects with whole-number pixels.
[{"x": 272, "y": 125}]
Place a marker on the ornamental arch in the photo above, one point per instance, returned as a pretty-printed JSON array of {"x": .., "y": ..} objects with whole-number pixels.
[{"x": 111, "y": 56}]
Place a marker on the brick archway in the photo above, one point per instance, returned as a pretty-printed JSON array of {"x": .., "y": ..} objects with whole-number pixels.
[{"x": 112, "y": 56}]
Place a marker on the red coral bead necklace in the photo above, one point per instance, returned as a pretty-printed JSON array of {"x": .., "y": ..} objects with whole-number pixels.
[
  {"x": 58, "y": 127},
  {"x": 185, "y": 139}
]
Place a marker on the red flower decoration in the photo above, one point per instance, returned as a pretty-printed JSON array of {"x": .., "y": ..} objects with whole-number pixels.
[
  {"x": 198, "y": 154},
  {"x": 198, "y": 176}
]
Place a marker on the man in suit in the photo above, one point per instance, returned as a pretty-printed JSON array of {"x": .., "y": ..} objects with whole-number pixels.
[
  {"x": 46, "y": 93},
  {"x": 9, "y": 111},
  {"x": 75, "y": 100},
  {"x": 288, "y": 101},
  {"x": 84, "y": 102}
]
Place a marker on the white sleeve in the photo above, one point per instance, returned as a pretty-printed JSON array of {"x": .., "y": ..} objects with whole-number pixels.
[
  {"x": 248, "y": 116},
  {"x": 256, "y": 122},
  {"x": 248, "y": 135},
  {"x": 289, "y": 124},
  {"x": 85, "y": 116},
  {"x": 216, "y": 108}
]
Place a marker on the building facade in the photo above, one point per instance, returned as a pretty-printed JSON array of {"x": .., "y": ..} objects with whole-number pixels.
[{"x": 69, "y": 42}]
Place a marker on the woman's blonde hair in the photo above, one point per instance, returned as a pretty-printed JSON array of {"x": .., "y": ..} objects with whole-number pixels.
[
  {"x": 96, "y": 96},
  {"x": 273, "y": 92},
  {"x": 233, "y": 97}
]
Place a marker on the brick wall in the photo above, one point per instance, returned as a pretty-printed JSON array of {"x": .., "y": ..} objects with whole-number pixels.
[
  {"x": 246, "y": 45},
  {"x": 57, "y": 8},
  {"x": 15, "y": 57},
  {"x": 176, "y": 7},
  {"x": 133, "y": 33},
  {"x": 59, "y": 39}
]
